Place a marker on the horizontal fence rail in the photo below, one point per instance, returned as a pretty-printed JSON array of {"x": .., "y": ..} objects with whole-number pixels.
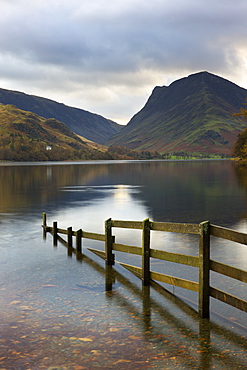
[
  {"x": 175, "y": 257},
  {"x": 229, "y": 271},
  {"x": 127, "y": 248},
  {"x": 224, "y": 233},
  {"x": 204, "y": 264},
  {"x": 175, "y": 227}
]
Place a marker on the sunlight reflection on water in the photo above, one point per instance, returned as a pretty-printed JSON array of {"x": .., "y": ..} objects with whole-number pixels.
[{"x": 117, "y": 202}]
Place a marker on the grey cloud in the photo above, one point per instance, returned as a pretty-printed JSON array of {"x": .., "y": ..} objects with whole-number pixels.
[
  {"x": 131, "y": 41},
  {"x": 126, "y": 46}
]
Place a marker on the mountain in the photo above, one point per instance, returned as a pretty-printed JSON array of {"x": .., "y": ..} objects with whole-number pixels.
[
  {"x": 89, "y": 125},
  {"x": 27, "y": 136},
  {"x": 193, "y": 114}
]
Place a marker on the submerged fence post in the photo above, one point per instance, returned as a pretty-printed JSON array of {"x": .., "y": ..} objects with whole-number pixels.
[
  {"x": 70, "y": 233},
  {"x": 78, "y": 240},
  {"x": 204, "y": 270},
  {"x": 146, "y": 252},
  {"x": 146, "y": 307},
  {"x": 110, "y": 257},
  {"x": 55, "y": 233},
  {"x": 109, "y": 278}
]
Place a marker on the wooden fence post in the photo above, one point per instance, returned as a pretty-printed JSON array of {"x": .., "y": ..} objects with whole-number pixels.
[
  {"x": 70, "y": 233},
  {"x": 55, "y": 233},
  {"x": 44, "y": 224},
  {"x": 146, "y": 252},
  {"x": 204, "y": 270},
  {"x": 44, "y": 219},
  {"x": 109, "y": 278},
  {"x": 70, "y": 252},
  {"x": 110, "y": 257},
  {"x": 146, "y": 307},
  {"x": 78, "y": 240}
]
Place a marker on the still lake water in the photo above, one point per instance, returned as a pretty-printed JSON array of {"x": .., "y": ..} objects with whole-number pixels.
[{"x": 55, "y": 311}]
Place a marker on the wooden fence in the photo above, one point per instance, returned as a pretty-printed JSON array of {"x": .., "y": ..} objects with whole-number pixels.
[{"x": 202, "y": 262}]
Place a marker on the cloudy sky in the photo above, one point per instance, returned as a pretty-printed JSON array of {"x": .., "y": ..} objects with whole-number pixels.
[{"x": 107, "y": 56}]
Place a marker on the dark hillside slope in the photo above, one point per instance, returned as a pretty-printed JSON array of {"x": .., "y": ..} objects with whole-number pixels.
[
  {"x": 92, "y": 126},
  {"x": 193, "y": 114},
  {"x": 26, "y": 136}
]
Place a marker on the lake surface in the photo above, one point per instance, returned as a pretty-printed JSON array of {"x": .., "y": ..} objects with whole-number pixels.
[{"x": 55, "y": 310}]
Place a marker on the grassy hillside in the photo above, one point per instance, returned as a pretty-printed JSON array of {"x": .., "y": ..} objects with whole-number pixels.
[
  {"x": 92, "y": 126},
  {"x": 194, "y": 114},
  {"x": 25, "y": 136}
]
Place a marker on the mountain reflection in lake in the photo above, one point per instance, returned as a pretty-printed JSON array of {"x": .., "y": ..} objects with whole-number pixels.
[{"x": 55, "y": 311}]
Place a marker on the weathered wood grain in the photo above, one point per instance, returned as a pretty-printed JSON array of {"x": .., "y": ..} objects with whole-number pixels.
[
  {"x": 127, "y": 248},
  {"x": 175, "y": 257},
  {"x": 224, "y": 233},
  {"x": 229, "y": 299},
  {"x": 230, "y": 271},
  {"x": 204, "y": 275}
]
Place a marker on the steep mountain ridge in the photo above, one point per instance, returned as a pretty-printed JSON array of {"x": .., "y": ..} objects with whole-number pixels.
[
  {"x": 193, "y": 114},
  {"x": 90, "y": 125}
]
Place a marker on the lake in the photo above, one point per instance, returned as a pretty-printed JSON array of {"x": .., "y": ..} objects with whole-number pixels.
[{"x": 55, "y": 310}]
